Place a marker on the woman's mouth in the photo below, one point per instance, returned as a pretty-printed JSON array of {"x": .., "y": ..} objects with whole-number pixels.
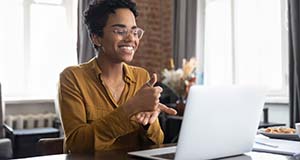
[{"x": 127, "y": 49}]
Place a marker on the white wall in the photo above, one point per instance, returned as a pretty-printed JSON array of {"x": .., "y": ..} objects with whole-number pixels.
[{"x": 278, "y": 113}]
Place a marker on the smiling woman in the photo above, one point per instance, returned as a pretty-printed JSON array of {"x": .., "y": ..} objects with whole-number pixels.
[{"x": 106, "y": 102}]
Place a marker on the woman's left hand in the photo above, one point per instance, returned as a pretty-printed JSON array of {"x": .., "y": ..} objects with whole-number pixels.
[{"x": 149, "y": 117}]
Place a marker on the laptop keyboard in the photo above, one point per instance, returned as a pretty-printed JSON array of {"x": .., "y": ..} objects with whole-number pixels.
[{"x": 165, "y": 156}]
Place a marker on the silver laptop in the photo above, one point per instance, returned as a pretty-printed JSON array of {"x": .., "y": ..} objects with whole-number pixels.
[{"x": 219, "y": 121}]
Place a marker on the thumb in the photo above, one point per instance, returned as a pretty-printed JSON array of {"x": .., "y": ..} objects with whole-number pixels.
[{"x": 152, "y": 81}]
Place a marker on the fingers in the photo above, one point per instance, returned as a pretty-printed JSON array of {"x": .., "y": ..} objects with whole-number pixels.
[
  {"x": 150, "y": 117},
  {"x": 166, "y": 109},
  {"x": 153, "y": 116},
  {"x": 145, "y": 118},
  {"x": 140, "y": 117},
  {"x": 153, "y": 80}
]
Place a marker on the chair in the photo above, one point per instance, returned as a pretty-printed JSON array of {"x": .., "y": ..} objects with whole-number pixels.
[
  {"x": 49, "y": 146},
  {"x": 5, "y": 143}
]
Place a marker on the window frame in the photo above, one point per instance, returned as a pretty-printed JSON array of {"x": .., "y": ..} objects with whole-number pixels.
[
  {"x": 22, "y": 95},
  {"x": 277, "y": 97}
]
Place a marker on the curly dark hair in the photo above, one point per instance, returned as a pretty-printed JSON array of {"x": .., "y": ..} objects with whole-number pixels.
[{"x": 97, "y": 13}]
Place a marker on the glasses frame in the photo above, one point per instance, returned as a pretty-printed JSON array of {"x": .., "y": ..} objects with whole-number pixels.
[{"x": 124, "y": 32}]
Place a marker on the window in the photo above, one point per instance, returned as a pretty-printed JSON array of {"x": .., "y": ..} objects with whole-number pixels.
[
  {"x": 38, "y": 40},
  {"x": 246, "y": 42}
]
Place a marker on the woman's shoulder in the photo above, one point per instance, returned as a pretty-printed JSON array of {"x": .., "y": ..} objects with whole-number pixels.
[
  {"x": 78, "y": 69},
  {"x": 70, "y": 69}
]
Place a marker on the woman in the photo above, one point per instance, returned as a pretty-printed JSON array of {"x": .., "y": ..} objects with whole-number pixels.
[{"x": 106, "y": 104}]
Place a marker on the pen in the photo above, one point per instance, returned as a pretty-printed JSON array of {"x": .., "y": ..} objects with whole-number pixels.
[{"x": 266, "y": 144}]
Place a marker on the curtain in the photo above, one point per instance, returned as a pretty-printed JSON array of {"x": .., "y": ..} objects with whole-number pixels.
[
  {"x": 185, "y": 30},
  {"x": 294, "y": 61},
  {"x": 85, "y": 49}
]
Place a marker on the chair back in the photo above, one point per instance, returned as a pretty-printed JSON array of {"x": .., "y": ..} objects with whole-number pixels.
[{"x": 49, "y": 146}]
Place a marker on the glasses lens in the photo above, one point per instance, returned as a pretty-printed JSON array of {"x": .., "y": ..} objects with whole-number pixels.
[
  {"x": 139, "y": 32},
  {"x": 136, "y": 32},
  {"x": 121, "y": 31}
]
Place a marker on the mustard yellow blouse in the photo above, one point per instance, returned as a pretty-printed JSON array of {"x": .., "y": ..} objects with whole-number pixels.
[{"x": 92, "y": 120}]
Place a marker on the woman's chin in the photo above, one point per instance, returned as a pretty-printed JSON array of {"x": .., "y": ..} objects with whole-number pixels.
[{"x": 127, "y": 57}]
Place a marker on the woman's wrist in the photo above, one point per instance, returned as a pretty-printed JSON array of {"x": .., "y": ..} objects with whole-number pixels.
[{"x": 129, "y": 109}]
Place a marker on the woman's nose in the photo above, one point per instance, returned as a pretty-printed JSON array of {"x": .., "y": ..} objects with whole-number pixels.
[{"x": 129, "y": 36}]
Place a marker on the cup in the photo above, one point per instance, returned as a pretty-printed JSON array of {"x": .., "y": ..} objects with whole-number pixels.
[{"x": 297, "y": 127}]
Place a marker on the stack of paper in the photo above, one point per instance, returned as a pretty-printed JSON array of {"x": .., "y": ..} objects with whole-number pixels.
[{"x": 277, "y": 146}]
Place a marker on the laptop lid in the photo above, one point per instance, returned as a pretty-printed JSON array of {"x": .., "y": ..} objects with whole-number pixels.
[{"x": 219, "y": 121}]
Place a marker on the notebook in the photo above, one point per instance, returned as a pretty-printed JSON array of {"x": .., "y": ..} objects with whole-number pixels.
[
  {"x": 219, "y": 121},
  {"x": 278, "y": 146}
]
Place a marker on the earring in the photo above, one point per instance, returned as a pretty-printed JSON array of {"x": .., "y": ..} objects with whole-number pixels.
[{"x": 101, "y": 48}]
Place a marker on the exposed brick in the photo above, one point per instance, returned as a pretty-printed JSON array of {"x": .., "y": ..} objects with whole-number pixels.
[{"x": 155, "y": 50}]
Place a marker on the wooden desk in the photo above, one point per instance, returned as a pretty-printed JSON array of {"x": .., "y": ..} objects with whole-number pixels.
[{"x": 122, "y": 155}]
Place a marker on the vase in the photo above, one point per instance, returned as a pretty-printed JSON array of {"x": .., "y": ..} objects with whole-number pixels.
[{"x": 180, "y": 106}]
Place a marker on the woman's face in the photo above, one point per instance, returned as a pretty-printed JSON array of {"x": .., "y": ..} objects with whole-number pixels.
[{"x": 117, "y": 46}]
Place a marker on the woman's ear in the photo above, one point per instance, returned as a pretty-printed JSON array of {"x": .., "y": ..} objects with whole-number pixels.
[{"x": 96, "y": 40}]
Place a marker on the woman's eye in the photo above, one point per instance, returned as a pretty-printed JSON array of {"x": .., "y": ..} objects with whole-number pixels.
[{"x": 121, "y": 32}]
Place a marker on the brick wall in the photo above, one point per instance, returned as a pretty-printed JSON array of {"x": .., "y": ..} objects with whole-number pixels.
[{"x": 155, "y": 50}]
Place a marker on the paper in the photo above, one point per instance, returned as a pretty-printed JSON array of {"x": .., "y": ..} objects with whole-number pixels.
[{"x": 291, "y": 148}]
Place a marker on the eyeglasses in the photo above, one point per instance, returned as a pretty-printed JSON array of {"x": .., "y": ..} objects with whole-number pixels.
[{"x": 123, "y": 32}]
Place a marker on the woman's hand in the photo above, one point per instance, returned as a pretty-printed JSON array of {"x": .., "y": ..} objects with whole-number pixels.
[
  {"x": 149, "y": 117},
  {"x": 145, "y": 104}
]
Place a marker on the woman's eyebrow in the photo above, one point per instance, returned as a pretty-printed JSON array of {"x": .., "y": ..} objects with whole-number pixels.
[
  {"x": 119, "y": 25},
  {"x": 122, "y": 26}
]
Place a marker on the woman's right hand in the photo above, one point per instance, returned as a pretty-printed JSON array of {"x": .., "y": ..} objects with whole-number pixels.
[
  {"x": 146, "y": 104},
  {"x": 146, "y": 99}
]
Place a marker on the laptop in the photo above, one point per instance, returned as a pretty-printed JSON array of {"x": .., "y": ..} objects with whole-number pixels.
[{"x": 219, "y": 121}]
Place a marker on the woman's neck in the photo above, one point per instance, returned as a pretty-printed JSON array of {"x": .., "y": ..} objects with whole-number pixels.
[{"x": 110, "y": 71}]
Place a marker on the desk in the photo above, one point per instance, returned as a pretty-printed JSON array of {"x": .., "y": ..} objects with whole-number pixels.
[{"x": 122, "y": 155}]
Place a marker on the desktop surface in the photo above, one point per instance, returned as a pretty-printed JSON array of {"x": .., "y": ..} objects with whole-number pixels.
[{"x": 122, "y": 154}]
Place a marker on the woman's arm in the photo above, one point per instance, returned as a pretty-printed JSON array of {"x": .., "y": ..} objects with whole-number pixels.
[{"x": 82, "y": 136}]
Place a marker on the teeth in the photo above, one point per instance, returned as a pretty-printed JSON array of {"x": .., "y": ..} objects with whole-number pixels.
[{"x": 127, "y": 47}]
